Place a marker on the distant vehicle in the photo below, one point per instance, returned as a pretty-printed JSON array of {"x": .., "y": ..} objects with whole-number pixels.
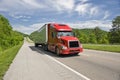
[{"x": 58, "y": 38}]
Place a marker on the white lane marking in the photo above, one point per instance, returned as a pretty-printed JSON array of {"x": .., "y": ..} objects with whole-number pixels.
[
  {"x": 79, "y": 74},
  {"x": 84, "y": 54}
]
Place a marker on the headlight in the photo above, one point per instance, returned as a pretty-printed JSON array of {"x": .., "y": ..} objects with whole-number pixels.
[
  {"x": 64, "y": 47},
  {"x": 80, "y": 45}
]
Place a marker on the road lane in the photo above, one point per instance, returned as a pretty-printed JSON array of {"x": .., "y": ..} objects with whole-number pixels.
[
  {"x": 33, "y": 64},
  {"x": 97, "y": 65}
]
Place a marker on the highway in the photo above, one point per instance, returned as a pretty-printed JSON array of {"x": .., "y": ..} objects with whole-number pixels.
[
  {"x": 33, "y": 63},
  {"x": 97, "y": 65}
]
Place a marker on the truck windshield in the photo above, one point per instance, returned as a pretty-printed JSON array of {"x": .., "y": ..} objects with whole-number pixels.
[{"x": 65, "y": 34}]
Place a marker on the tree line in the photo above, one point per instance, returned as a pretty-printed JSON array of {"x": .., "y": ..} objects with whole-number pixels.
[
  {"x": 8, "y": 37},
  {"x": 96, "y": 35}
]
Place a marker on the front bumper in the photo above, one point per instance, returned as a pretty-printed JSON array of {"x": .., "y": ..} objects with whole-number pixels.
[{"x": 71, "y": 51}]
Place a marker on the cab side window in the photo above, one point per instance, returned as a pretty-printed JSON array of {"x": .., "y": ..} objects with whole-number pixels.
[{"x": 53, "y": 35}]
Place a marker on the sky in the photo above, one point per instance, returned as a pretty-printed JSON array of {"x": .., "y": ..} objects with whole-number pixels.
[{"x": 29, "y": 15}]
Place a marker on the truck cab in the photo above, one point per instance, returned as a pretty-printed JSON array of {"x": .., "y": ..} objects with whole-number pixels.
[{"x": 62, "y": 40}]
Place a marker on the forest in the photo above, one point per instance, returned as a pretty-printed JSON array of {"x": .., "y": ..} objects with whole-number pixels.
[
  {"x": 8, "y": 37},
  {"x": 96, "y": 35}
]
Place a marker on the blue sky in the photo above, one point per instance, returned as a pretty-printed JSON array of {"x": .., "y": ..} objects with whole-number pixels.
[{"x": 29, "y": 15}]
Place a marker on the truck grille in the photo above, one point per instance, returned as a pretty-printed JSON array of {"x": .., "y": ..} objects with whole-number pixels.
[{"x": 73, "y": 44}]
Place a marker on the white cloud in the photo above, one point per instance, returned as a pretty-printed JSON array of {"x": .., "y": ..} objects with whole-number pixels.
[
  {"x": 23, "y": 9},
  {"x": 27, "y": 5},
  {"x": 105, "y": 25},
  {"x": 22, "y": 29},
  {"x": 17, "y": 16},
  {"x": 82, "y": 9},
  {"x": 59, "y": 5},
  {"x": 65, "y": 4},
  {"x": 25, "y": 20},
  {"x": 31, "y": 7},
  {"x": 106, "y": 15},
  {"x": 83, "y": 1},
  {"x": 3, "y": 9},
  {"x": 94, "y": 11},
  {"x": 22, "y": 6},
  {"x": 32, "y": 3},
  {"x": 28, "y": 29},
  {"x": 85, "y": 8}
]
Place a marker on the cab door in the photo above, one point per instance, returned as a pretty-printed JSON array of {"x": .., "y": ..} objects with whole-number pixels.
[{"x": 52, "y": 39}]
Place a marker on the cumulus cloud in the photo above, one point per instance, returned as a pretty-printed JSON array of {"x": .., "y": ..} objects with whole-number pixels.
[
  {"x": 28, "y": 29},
  {"x": 24, "y": 10},
  {"x": 105, "y": 25},
  {"x": 20, "y": 6},
  {"x": 94, "y": 11},
  {"x": 64, "y": 4},
  {"x": 106, "y": 15},
  {"x": 59, "y": 5},
  {"x": 84, "y": 7},
  {"x": 33, "y": 3},
  {"x": 19, "y": 16}
]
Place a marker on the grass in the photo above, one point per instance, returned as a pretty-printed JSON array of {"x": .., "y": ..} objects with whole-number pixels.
[
  {"x": 102, "y": 47},
  {"x": 6, "y": 59}
]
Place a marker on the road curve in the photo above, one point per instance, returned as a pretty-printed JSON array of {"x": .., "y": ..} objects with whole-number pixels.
[{"x": 33, "y": 64}]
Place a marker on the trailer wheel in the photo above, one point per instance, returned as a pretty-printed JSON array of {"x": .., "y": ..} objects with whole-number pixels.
[
  {"x": 36, "y": 45},
  {"x": 57, "y": 51},
  {"x": 45, "y": 47}
]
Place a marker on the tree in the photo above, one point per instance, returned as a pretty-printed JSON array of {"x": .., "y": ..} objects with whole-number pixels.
[
  {"x": 104, "y": 40},
  {"x": 8, "y": 37},
  {"x": 83, "y": 37},
  {"x": 92, "y": 38},
  {"x": 114, "y": 35},
  {"x": 97, "y": 32}
]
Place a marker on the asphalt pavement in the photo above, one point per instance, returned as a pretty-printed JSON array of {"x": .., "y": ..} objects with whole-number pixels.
[{"x": 33, "y": 63}]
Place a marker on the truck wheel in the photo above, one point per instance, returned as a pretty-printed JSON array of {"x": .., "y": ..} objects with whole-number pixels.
[
  {"x": 57, "y": 51},
  {"x": 36, "y": 45},
  {"x": 45, "y": 47},
  {"x": 76, "y": 54}
]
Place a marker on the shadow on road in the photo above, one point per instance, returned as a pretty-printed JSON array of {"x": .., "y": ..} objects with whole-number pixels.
[{"x": 41, "y": 51}]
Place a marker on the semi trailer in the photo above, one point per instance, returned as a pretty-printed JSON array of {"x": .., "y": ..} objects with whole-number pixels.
[{"x": 58, "y": 38}]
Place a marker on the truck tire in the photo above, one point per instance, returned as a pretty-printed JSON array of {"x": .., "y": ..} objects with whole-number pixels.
[
  {"x": 45, "y": 47},
  {"x": 36, "y": 45},
  {"x": 76, "y": 54},
  {"x": 57, "y": 51}
]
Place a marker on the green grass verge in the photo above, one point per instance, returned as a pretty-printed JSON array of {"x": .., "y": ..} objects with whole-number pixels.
[
  {"x": 102, "y": 47},
  {"x": 6, "y": 59}
]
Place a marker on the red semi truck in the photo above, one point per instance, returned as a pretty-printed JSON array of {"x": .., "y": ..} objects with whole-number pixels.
[{"x": 58, "y": 38}]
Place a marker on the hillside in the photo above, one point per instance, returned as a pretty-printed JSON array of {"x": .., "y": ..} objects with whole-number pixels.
[
  {"x": 95, "y": 35},
  {"x": 88, "y": 31},
  {"x": 35, "y": 36},
  {"x": 8, "y": 37}
]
